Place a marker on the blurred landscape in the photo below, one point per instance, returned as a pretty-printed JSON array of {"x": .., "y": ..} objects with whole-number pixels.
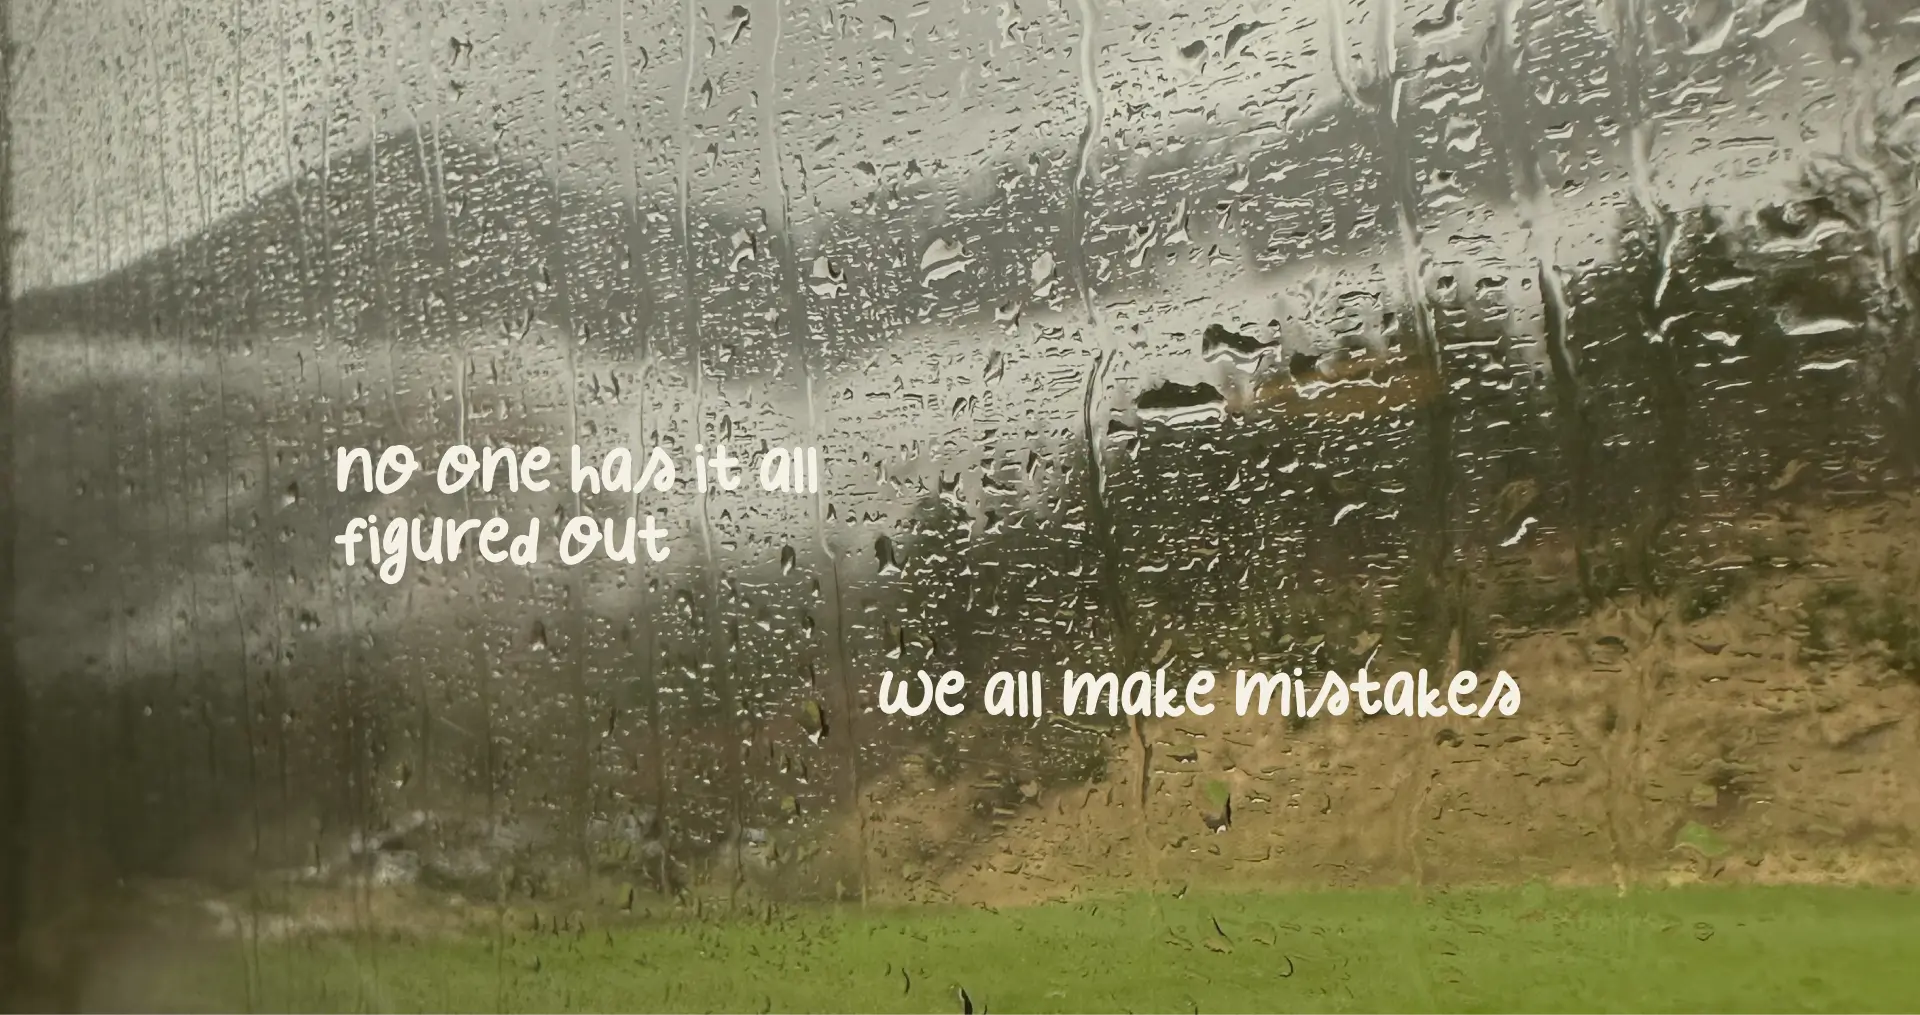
[{"x": 1491, "y": 336}]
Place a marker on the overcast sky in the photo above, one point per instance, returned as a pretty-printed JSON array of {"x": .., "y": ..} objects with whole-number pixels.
[{"x": 139, "y": 121}]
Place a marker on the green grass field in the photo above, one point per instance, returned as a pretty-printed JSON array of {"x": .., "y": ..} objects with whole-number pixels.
[{"x": 1532, "y": 949}]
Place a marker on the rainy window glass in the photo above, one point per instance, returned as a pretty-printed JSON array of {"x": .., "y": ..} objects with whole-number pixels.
[{"x": 973, "y": 505}]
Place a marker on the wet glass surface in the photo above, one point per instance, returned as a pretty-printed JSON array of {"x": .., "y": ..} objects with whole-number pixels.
[{"x": 1571, "y": 340}]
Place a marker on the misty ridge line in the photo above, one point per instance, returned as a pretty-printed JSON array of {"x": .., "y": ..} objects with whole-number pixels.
[
  {"x": 464, "y": 286},
  {"x": 432, "y": 288},
  {"x": 426, "y": 273},
  {"x": 446, "y": 201},
  {"x": 446, "y": 294},
  {"x": 238, "y": 305},
  {"x": 444, "y": 198}
]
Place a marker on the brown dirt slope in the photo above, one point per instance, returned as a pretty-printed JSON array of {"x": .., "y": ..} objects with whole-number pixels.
[{"x": 1757, "y": 727}]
